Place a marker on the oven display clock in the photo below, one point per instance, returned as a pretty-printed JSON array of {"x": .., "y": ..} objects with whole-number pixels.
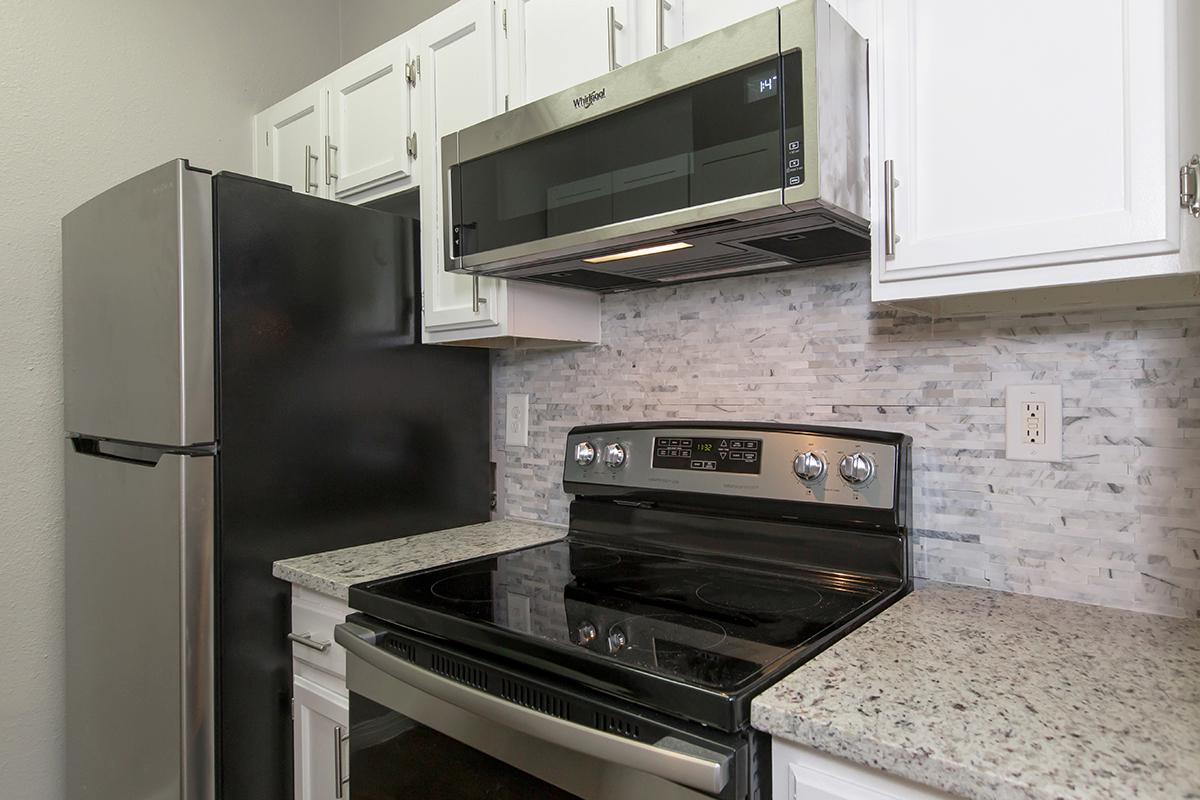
[{"x": 705, "y": 454}]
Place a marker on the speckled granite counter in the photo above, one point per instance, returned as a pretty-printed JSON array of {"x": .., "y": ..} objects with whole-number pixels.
[
  {"x": 334, "y": 572},
  {"x": 993, "y": 695}
]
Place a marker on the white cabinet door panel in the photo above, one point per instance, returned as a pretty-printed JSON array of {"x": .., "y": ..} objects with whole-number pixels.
[
  {"x": 289, "y": 145},
  {"x": 1032, "y": 143},
  {"x": 700, "y": 17},
  {"x": 370, "y": 120},
  {"x": 460, "y": 89},
  {"x": 801, "y": 773},
  {"x": 320, "y": 730},
  {"x": 561, "y": 43}
]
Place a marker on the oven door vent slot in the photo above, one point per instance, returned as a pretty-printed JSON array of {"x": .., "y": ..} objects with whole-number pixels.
[
  {"x": 459, "y": 671},
  {"x": 614, "y": 724},
  {"x": 536, "y": 699}
]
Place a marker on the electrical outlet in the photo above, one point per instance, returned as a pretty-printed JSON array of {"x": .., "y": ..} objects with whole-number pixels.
[
  {"x": 1033, "y": 423},
  {"x": 516, "y": 422}
]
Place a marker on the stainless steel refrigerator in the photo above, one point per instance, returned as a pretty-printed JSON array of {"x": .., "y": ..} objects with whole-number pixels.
[{"x": 244, "y": 382}]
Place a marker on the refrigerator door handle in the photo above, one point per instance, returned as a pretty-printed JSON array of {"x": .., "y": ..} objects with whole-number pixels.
[{"x": 132, "y": 452}]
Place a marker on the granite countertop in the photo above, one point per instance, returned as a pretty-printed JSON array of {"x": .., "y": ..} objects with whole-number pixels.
[
  {"x": 992, "y": 695},
  {"x": 334, "y": 572}
]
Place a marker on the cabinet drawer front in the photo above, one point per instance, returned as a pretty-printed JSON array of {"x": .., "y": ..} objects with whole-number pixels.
[{"x": 315, "y": 625}]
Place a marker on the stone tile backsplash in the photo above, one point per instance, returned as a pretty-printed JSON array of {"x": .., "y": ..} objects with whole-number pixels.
[{"x": 1116, "y": 523}]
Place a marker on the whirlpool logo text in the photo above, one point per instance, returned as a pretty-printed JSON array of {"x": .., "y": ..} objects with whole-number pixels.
[{"x": 586, "y": 101}]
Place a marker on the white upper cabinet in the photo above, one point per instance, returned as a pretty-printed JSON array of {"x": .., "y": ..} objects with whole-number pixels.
[
  {"x": 288, "y": 143},
  {"x": 556, "y": 44},
  {"x": 459, "y": 88},
  {"x": 1030, "y": 143},
  {"x": 690, "y": 19},
  {"x": 370, "y": 138}
]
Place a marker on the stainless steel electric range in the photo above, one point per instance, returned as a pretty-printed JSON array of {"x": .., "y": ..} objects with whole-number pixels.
[{"x": 704, "y": 561}]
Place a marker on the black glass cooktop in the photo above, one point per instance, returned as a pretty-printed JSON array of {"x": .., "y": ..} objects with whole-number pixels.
[{"x": 704, "y": 622}]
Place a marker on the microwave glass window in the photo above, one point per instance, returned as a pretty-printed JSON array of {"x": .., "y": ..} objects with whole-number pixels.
[{"x": 716, "y": 140}]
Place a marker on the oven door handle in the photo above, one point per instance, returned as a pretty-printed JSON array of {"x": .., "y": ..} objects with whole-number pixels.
[{"x": 670, "y": 758}]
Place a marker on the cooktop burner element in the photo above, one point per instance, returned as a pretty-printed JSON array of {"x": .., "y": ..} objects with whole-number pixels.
[
  {"x": 752, "y": 597},
  {"x": 467, "y": 587},
  {"x": 684, "y": 590}
]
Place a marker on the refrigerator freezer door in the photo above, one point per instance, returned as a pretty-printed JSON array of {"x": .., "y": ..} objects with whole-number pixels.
[
  {"x": 138, "y": 330},
  {"x": 139, "y": 660}
]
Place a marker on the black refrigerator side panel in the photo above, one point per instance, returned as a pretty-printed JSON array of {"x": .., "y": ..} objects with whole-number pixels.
[{"x": 334, "y": 431}]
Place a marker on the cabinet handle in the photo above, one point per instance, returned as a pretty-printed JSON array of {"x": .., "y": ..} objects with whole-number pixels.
[
  {"x": 309, "y": 157},
  {"x": 307, "y": 641},
  {"x": 613, "y": 27},
  {"x": 476, "y": 300},
  {"x": 889, "y": 209},
  {"x": 330, "y": 149},
  {"x": 660, "y": 24},
  {"x": 340, "y": 779}
]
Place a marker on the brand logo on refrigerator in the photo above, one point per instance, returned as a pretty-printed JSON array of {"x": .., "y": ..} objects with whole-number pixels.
[{"x": 585, "y": 101}]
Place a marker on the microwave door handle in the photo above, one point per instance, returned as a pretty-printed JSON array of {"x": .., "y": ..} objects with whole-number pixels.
[{"x": 671, "y": 759}]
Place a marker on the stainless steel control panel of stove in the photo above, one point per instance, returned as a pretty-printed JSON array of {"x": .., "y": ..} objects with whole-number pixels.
[{"x": 768, "y": 464}]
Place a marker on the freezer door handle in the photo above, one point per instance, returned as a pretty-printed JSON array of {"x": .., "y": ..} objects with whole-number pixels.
[
  {"x": 670, "y": 758},
  {"x": 132, "y": 452}
]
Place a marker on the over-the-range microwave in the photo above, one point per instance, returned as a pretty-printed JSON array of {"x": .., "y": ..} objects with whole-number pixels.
[{"x": 745, "y": 150}]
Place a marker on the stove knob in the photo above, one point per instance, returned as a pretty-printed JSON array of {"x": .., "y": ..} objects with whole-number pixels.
[
  {"x": 616, "y": 641},
  {"x": 809, "y": 467},
  {"x": 585, "y": 454},
  {"x": 857, "y": 468},
  {"x": 585, "y": 634},
  {"x": 614, "y": 455}
]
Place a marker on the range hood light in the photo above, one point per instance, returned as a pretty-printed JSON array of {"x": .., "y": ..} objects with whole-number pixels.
[{"x": 641, "y": 251}]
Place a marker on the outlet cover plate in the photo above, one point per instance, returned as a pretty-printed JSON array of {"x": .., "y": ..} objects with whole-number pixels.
[
  {"x": 1017, "y": 448},
  {"x": 516, "y": 420}
]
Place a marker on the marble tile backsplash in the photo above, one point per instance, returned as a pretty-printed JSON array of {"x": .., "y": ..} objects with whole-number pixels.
[{"x": 1116, "y": 523}]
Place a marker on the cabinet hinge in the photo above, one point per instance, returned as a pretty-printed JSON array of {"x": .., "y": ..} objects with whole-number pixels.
[
  {"x": 412, "y": 71},
  {"x": 410, "y": 144},
  {"x": 268, "y": 138},
  {"x": 1189, "y": 186},
  {"x": 506, "y": 102},
  {"x": 504, "y": 22},
  {"x": 422, "y": 303}
]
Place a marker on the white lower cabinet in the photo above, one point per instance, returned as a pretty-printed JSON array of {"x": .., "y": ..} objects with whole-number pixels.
[
  {"x": 801, "y": 773},
  {"x": 320, "y": 741},
  {"x": 320, "y": 700}
]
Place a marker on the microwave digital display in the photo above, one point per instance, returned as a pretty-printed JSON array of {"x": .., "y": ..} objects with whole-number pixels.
[
  {"x": 703, "y": 454},
  {"x": 762, "y": 85}
]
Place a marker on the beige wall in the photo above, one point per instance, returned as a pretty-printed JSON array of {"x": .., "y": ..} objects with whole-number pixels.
[
  {"x": 366, "y": 24},
  {"x": 92, "y": 93}
]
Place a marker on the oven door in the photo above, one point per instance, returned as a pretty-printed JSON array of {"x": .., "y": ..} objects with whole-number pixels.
[{"x": 416, "y": 734}]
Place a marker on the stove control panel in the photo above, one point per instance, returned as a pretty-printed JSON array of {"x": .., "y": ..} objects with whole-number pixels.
[{"x": 770, "y": 464}]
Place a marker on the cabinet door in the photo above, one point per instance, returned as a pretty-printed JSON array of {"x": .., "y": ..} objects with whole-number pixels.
[
  {"x": 290, "y": 145},
  {"x": 457, "y": 88},
  {"x": 698, "y": 17},
  {"x": 369, "y": 121},
  {"x": 320, "y": 741},
  {"x": 556, "y": 44},
  {"x": 801, "y": 773},
  {"x": 1018, "y": 144}
]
